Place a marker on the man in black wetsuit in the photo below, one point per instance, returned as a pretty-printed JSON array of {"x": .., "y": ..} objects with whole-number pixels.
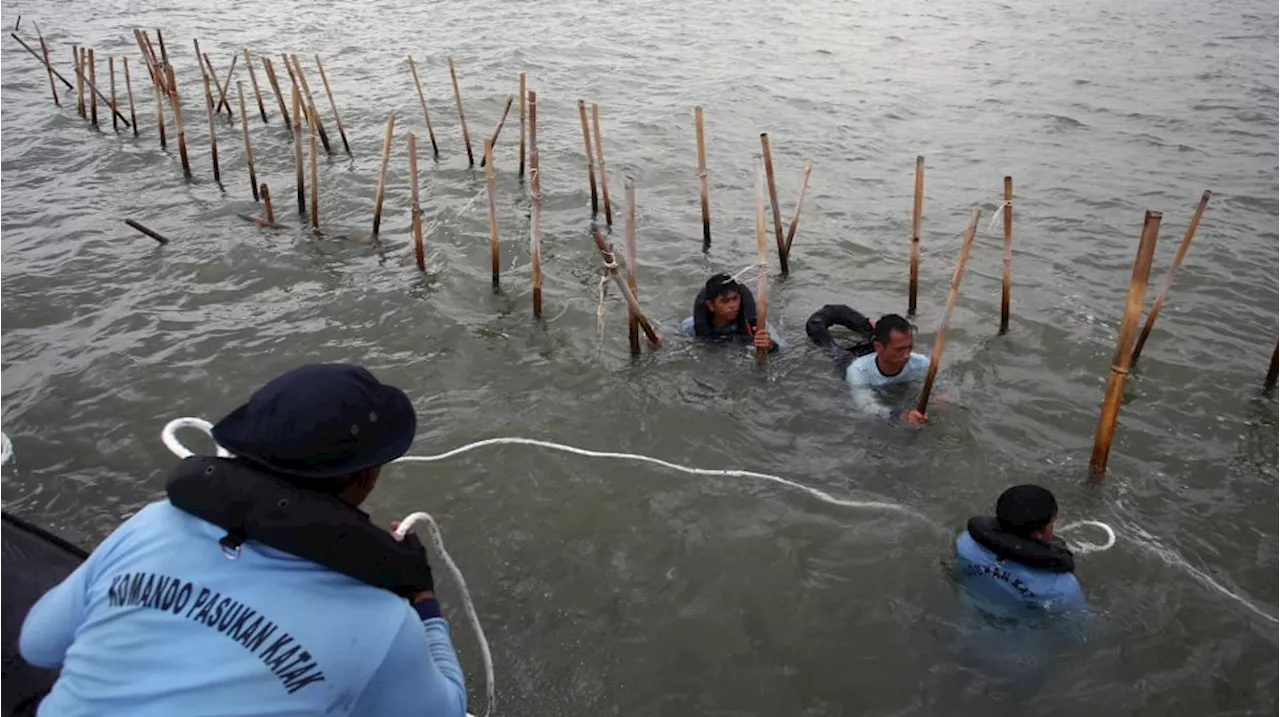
[{"x": 725, "y": 310}]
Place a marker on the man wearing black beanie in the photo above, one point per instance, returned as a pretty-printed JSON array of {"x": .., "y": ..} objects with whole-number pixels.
[{"x": 1012, "y": 564}]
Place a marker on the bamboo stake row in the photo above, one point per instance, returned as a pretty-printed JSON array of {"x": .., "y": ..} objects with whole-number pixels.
[{"x": 535, "y": 204}]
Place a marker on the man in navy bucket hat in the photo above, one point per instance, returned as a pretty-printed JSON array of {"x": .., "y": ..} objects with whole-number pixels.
[{"x": 259, "y": 587}]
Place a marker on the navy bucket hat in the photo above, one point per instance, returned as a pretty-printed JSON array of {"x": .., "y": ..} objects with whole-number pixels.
[{"x": 320, "y": 421}]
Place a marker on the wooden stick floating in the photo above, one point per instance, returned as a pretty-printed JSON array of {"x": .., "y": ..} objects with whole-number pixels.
[
  {"x": 702, "y": 180},
  {"x": 153, "y": 234},
  {"x": 523, "y": 100},
  {"x": 762, "y": 256},
  {"x": 591, "y": 162},
  {"x": 633, "y": 324},
  {"x": 275, "y": 89},
  {"x": 1120, "y": 362},
  {"x": 493, "y": 209},
  {"x": 311, "y": 103},
  {"x": 498, "y": 130},
  {"x": 176, "y": 101},
  {"x": 922, "y": 404},
  {"x": 916, "y": 207},
  {"x": 128, "y": 88},
  {"x": 419, "y": 252},
  {"x": 93, "y": 81},
  {"x": 604, "y": 180},
  {"x": 1006, "y": 280},
  {"x": 334, "y": 105},
  {"x": 48, "y": 66},
  {"x": 382, "y": 175},
  {"x": 535, "y": 207},
  {"x": 253, "y": 80},
  {"x": 457, "y": 96},
  {"x": 773, "y": 200},
  {"x": 297, "y": 150},
  {"x": 1178, "y": 256},
  {"x": 426, "y": 116},
  {"x": 213, "y": 132},
  {"x": 795, "y": 218},
  {"x": 267, "y": 209},
  {"x": 1273, "y": 372},
  {"x": 248, "y": 147},
  {"x": 315, "y": 175},
  {"x": 611, "y": 266}
]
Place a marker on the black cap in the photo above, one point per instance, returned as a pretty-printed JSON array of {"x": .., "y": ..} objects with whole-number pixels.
[
  {"x": 1024, "y": 509},
  {"x": 320, "y": 421}
]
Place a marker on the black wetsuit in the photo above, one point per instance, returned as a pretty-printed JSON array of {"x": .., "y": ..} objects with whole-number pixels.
[{"x": 818, "y": 327}]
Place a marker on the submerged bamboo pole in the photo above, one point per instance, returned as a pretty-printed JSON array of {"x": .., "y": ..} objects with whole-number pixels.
[
  {"x": 702, "y": 180},
  {"x": 297, "y": 150},
  {"x": 493, "y": 209},
  {"x": 253, "y": 80},
  {"x": 591, "y": 162},
  {"x": 633, "y": 324},
  {"x": 535, "y": 207},
  {"x": 311, "y": 103},
  {"x": 1120, "y": 362},
  {"x": 795, "y": 218},
  {"x": 382, "y": 175},
  {"x": 1272, "y": 373},
  {"x": 426, "y": 116},
  {"x": 275, "y": 88},
  {"x": 457, "y": 96},
  {"x": 498, "y": 130},
  {"x": 604, "y": 179},
  {"x": 523, "y": 100},
  {"x": 93, "y": 82},
  {"x": 213, "y": 132},
  {"x": 75, "y": 49},
  {"x": 248, "y": 147},
  {"x": 153, "y": 234},
  {"x": 611, "y": 266},
  {"x": 111, "y": 72},
  {"x": 773, "y": 200},
  {"x": 916, "y": 207},
  {"x": 419, "y": 251},
  {"x": 177, "y": 117},
  {"x": 1178, "y": 256},
  {"x": 128, "y": 88},
  {"x": 48, "y": 66},
  {"x": 1006, "y": 279},
  {"x": 762, "y": 256},
  {"x": 267, "y": 209},
  {"x": 315, "y": 176},
  {"x": 334, "y": 105},
  {"x": 935, "y": 357}
]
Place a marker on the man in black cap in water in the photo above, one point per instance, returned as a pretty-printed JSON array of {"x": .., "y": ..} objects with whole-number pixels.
[
  {"x": 1012, "y": 564},
  {"x": 259, "y": 588}
]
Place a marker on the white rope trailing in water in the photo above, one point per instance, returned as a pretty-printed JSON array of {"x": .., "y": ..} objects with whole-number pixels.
[
  {"x": 1086, "y": 548},
  {"x": 6, "y": 448}
]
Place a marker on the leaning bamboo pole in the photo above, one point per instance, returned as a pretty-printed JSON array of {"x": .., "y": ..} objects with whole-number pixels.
[
  {"x": 498, "y": 130},
  {"x": 315, "y": 176},
  {"x": 253, "y": 80},
  {"x": 591, "y": 162},
  {"x": 795, "y": 218},
  {"x": 493, "y": 209},
  {"x": 93, "y": 81},
  {"x": 128, "y": 88},
  {"x": 334, "y": 105},
  {"x": 382, "y": 176},
  {"x": 773, "y": 200},
  {"x": 80, "y": 106},
  {"x": 702, "y": 180},
  {"x": 633, "y": 324},
  {"x": 416, "y": 209},
  {"x": 462, "y": 118},
  {"x": 213, "y": 132},
  {"x": 611, "y": 266},
  {"x": 80, "y": 76},
  {"x": 916, "y": 208},
  {"x": 248, "y": 147},
  {"x": 224, "y": 90},
  {"x": 604, "y": 179},
  {"x": 48, "y": 66},
  {"x": 935, "y": 357},
  {"x": 297, "y": 150},
  {"x": 1178, "y": 256},
  {"x": 176, "y": 101},
  {"x": 111, "y": 72},
  {"x": 523, "y": 112},
  {"x": 762, "y": 257},
  {"x": 1006, "y": 278},
  {"x": 426, "y": 116},
  {"x": 1120, "y": 362},
  {"x": 311, "y": 103},
  {"x": 535, "y": 207},
  {"x": 275, "y": 89},
  {"x": 157, "y": 83}
]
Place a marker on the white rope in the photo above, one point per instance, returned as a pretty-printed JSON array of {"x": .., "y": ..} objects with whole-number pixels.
[
  {"x": 1086, "y": 548},
  {"x": 996, "y": 217},
  {"x": 6, "y": 448}
]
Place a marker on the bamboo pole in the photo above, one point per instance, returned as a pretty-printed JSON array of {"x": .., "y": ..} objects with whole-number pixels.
[
  {"x": 535, "y": 206},
  {"x": 633, "y": 324},
  {"x": 93, "y": 81},
  {"x": 267, "y": 209},
  {"x": 81, "y": 80},
  {"x": 941, "y": 338},
  {"x": 1120, "y": 362},
  {"x": 275, "y": 88},
  {"x": 611, "y": 266},
  {"x": 795, "y": 218},
  {"x": 1006, "y": 281},
  {"x": 164, "y": 52},
  {"x": 431, "y": 134},
  {"x": 382, "y": 175},
  {"x": 493, "y": 210},
  {"x": 762, "y": 256},
  {"x": 498, "y": 130},
  {"x": 48, "y": 66},
  {"x": 773, "y": 200},
  {"x": 153, "y": 234},
  {"x": 248, "y": 147},
  {"x": 128, "y": 88},
  {"x": 457, "y": 96},
  {"x": 1270, "y": 381},
  {"x": 523, "y": 100},
  {"x": 604, "y": 179},
  {"x": 177, "y": 117},
  {"x": 224, "y": 91},
  {"x": 293, "y": 80},
  {"x": 157, "y": 82},
  {"x": 213, "y": 132},
  {"x": 253, "y": 80},
  {"x": 315, "y": 176},
  {"x": 111, "y": 72},
  {"x": 1178, "y": 256},
  {"x": 702, "y": 180},
  {"x": 311, "y": 103},
  {"x": 297, "y": 150},
  {"x": 419, "y": 251},
  {"x": 75, "y": 50},
  {"x": 916, "y": 207},
  {"x": 334, "y": 105},
  {"x": 591, "y": 162}
]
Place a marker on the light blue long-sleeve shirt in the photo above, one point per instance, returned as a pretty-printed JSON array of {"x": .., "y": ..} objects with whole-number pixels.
[
  {"x": 158, "y": 621},
  {"x": 1011, "y": 589},
  {"x": 864, "y": 378}
]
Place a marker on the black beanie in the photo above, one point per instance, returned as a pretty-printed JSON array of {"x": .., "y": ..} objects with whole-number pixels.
[{"x": 1024, "y": 509}]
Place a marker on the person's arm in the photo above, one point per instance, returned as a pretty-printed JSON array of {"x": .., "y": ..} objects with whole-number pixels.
[
  {"x": 420, "y": 674},
  {"x": 864, "y": 396},
  {"x": 1070, "y": 596}
]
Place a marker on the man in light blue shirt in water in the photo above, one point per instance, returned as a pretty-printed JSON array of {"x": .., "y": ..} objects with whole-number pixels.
[
  {"x": 889, "y": 360},
  {"x": 258, "y": 587}
]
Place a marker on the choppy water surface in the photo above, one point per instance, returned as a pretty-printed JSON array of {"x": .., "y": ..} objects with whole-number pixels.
[{"x": 609, "y": 588}]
